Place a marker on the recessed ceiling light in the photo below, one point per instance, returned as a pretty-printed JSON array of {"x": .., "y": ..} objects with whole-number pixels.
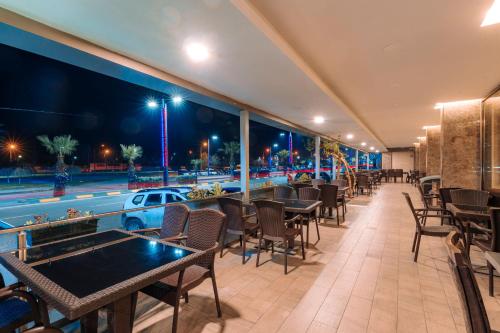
[
  {"x": 349, "y": 136},
  {"x": 372, "y": 148},
  {"x": 177, "y": 99},
  {"x": 377, "y": 151},
  {"x": 493, "y": 14},
  {"x": 363, "y": 144},
  {"x": 319, "y": 120},
  {"x": 197, "y": 52}
]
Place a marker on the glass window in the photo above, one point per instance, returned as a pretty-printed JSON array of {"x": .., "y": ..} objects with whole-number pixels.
[
  {"x": 153, "y": 200},
  {"x": 173, "y": 197},
  {"x": 137, "y": 199}
]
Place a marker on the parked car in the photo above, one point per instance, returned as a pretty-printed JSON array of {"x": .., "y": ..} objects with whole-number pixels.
[{"x": 150, "y": 217}]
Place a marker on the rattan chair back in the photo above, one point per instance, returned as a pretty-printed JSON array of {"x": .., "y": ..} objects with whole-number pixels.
[
  {"x": 412, "y": 208},
  {"x": 316, "y": 182},
  {"x": 445, "y": 195},
  {"x": 495, "y": 229},
  {"x": 271, "y": 217},
  {"x": 298, "y": 186},
  {"x": 329, "y": 195},
  {"x": 339, "y": 182},
  {"x": 309, "y": 193},
  {"x": 233, "y": 208},
  {"x": 204, "y": 230},
  {"x": 282, "y": 192},
  {"x": 469, "y": 197},
  {"x": 362, "y": 180},
  {"x": 174, "y": 220}
]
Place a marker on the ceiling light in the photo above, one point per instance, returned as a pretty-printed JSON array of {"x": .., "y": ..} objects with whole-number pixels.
[
  {"x": 363, "y": 144},
  {"x": 319, "y": 120},
  {"x": 177, "y": 99},
  {"x": 197, "y": 52},
  {"x": 441, "y": 105},
  {"x": 349, "y": 136},
  {"x": 430, "y": 126},
  {"x": 493, "y": 14},
  {"x": 377, "y": 151},
  {"x": 372, "y": 148},
  {"x": 152, "y": 104}
]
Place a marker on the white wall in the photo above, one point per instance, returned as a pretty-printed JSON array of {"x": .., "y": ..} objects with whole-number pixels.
[
  {"x": 386, "y": 160},
  {"x": 402, "y": 160}
]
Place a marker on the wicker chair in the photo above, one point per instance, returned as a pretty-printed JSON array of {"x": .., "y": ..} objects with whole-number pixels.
[
  {"x": 420, "y": 216},
  {"x": 298, "y": 186},
  {"x": 275, "y": 228},
  {"x": 444, "y": 198},
  {"x": 310, "y": 193},
  {"x": 203, "y": 233},
  {"x": 363, "y": 183},
  {"x": 236, "y": 223},
  {"x": 476, "y": 318},
  {"x": 316, "y": 182},
  {"x": 330, "y": 199},
  {"x": 282, "y": 192},
  {"x": 341, "y": 183},
  {"x": 18, "y": 308},
  {"x": 174, "y": 222},
  {"x": 470, "y": 197}
]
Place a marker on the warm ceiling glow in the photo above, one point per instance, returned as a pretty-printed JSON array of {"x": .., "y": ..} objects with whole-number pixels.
[
  {"x": 430, "y": 126},
  {"x": 440, "y": 105},
  {"x": 319, "y": 120},
  {"x": 372, "y": 148},
  {"x": 493, "y": 14},
  {"x": 349, "y": 136},
  {"x": 197, "y": 52},
  {"x": 363, "y": 144},
  {"x": 377, "y": 151}
]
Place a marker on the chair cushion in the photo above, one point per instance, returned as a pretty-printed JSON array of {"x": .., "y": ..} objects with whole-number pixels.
[
  {"x": 438, "y": 230},
  {"x": 193, "y": 275},
  {"x": 13, "y": 309}
]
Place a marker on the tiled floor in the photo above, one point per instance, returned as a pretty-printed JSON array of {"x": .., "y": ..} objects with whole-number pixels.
[{"x": 359, "y": 277}]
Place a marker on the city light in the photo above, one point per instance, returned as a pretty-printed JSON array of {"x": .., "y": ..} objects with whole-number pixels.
[
  {"x": 282, "y": 134},
  {"x": 215, "y": 137},
  {"x": 205, "y": 144},
  {"x": 275, "y": 145},
  {"x": 152, "y": 104},
  {"x": 268, "y": 150},
  {"x": 177, "y": 99},
  {"x": 319, "y": 120},
  {"x": 197, "y": 52}
]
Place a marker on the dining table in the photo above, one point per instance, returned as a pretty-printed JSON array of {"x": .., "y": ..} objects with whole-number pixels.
[{"x": 80, "y": 275}]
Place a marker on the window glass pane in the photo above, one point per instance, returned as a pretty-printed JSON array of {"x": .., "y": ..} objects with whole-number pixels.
[
  {"x": 153, "y": 200},
  {"x": 137, "y": 199}
]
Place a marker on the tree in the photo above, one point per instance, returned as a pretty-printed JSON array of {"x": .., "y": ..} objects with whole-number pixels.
[
  {"x": 131, "y": 153},
  {"x": 196, "y": 163},
  {"x": 283, "y": 156},
  {"x": 310, "y": 146},
  {"x": 332, "y": 149},
  {"x": 60, "y": 146},
  {"x": 214, "y": 160},
  {"x": 230, "y": 150}
]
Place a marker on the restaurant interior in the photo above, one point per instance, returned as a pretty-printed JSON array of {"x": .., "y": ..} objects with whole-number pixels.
[{"x": 401, "y": 235}]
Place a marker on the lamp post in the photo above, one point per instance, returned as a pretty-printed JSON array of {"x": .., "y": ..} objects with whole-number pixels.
[
  {"x": 12, "y": 147},
  {"x": 215, "y": 138},
  {"x": 152, "y": 104}
]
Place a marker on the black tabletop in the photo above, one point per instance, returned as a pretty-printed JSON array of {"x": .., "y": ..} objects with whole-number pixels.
[
  {"x": 469, "y": 213},
  {"x": 299, "y": 206}
]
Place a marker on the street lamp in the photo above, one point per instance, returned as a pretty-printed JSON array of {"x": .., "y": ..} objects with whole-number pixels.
[
  {"x": 152, "y": 104},
  {"x": 11, "y": 147},
  {"x": 214, "y": 138}
]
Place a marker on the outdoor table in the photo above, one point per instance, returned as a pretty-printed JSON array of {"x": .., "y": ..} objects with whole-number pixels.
[
  {"x": 467, "y": 213},
  {"x": 78, "y": 276},
  {"x": 298, "y": 206}
]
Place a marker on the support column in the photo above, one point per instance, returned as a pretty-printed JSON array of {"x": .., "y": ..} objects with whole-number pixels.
[
  {"x": 317, "y": 156},
  {"x": 367, "y": 161},
  {"x": 244, "y": 154},
  {"x": 357, "y": 160},
  {"x": 433, "y": 164}
]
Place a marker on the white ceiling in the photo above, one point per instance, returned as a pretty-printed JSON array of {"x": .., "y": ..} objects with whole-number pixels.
[{"x": 389, "y": 61}]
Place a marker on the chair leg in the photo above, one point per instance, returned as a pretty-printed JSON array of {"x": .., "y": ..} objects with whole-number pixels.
[
  {"x": 258, "y": 251},
  {"x": 302, "y": 245},
  {"x": 177, "y": 299},
  {"x": 417, "y": 248},
  {"x": 317, "y": 227},
  {"x": 186, "y": 297},
  {"x": 338, "y": 216},
  {"x": 241, "y": 240},
  {"x": 343, "y": 212},
  {"x": 216, "y": 294},
  {"x": 286, "y": 259},
  {"x": 414, "y": 242},
  {"x": 222, "y": 244},
  {"x": 243, "y": 250},
  {"x": 307, "y": 233},
  {"x": 490, "y": 279},
  {"x": 272, "y": 247}
]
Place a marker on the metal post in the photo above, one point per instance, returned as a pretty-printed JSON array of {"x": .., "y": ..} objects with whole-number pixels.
[
  {"x": 357, "y": 160},
  {"x": 245, "y": 154},
  {"x": 164, "y": 141},
  {"x": 22, "y": 244},
  {"x": 208, "y": 156},
  {"x": 334, "y": 168},
  {"x": 317, "y": 156}
]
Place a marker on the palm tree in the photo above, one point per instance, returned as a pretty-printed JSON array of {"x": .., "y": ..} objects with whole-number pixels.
[
  {"x": 230, "y": 150},
  {"x": 282, "y": 156},
  {"x": 131, "y": 153},
  {"x": 60, "y": 146}
]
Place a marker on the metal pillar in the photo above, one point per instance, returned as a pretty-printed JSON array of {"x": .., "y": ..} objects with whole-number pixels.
[
  {"x": 164, "y": 141},
  {"x": 317, "y": 156},
  {"x": 244, "y": 154},
  {"x": 357, "y": 160}
]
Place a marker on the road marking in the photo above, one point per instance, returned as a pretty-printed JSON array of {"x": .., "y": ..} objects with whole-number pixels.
[
  {"x": 15, "y": 217},
  {"x": 84, "y": 196},
  {"x": 49, "y": 200},
  {"x": 114, "y": 193}
]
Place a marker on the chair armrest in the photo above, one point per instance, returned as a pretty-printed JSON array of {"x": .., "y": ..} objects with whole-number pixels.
[
  {"x": 148, "y": 230},
  {"x": 295, "y": 218},
  {"x": 477, "y": 227},
  {"x": 246, "y": 217},
  {"x": 177, "y": 238},
  {"x": 6, "y": 294},
  {"x": 13, "y": 286}
]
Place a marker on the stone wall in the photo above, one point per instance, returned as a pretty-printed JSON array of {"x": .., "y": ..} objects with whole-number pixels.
[
  {"x": 460, "y": 144},
  {"x": 416, "y": 159},
  {"x": 422, "y": 160},
  {"x": 433, "y": 139}
]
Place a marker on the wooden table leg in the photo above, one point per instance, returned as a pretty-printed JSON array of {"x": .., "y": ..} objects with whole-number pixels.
[
  {"x": 88, "y": 322},
  {"x": 121, "y": 314}
]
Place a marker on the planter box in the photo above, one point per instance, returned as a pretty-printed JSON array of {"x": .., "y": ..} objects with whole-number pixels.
[{"x": 50, "y": 234}]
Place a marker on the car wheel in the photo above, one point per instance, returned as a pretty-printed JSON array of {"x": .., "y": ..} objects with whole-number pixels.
[{"x": 133, "y": 223}]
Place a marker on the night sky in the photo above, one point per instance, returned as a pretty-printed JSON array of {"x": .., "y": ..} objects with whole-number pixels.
[{"x": 97, "y": 109}]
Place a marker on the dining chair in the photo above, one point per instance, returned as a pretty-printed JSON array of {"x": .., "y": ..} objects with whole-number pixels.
[
  {"x": 173, "y": 225},
  {"x": 298, "y": 186},
  {"x": 316, "y": 182},
  {"x": 310, "y": 193},
  {"x": 420, "y": 216},
  {"x": 274, "y": 227},
  {"x": 282, "y": 192},
  {"x": 203, "y": 233},
  {"x": 444, "y": 198},
  {"x": 330, "y": 199},
  {"x": 469, "y": 197},
  {"x": 237, "y": 223},
  {"x": 19, "y": 308},
  {"x": 475, "y": 315},
  {"x": 363, "y": 183}
]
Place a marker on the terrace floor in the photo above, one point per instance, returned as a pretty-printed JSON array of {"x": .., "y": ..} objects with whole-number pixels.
[{"x": 359, "y": 278}]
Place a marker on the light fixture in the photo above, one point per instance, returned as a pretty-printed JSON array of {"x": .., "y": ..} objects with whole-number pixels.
[
  {"x": 282, "y": 134},
  {"x": 492, "y": 15},
  {"x": 319, "y": 120},
  {"x": 430, "y": 126},
  {"x": 372, "y": 148},
  {"x": 197, "y": 52},
  {"x": 152, "y": 104},
  {"x": 215, "y": 137},
  {"x": 441, "y": 105},
  {"x": 177, "y": 99},
  {"x": 363, "y": 144},
  {"x": 377, "y": 151},
  {"x": 349, "y": 136},
  {"x": 275, "y": 145}
]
